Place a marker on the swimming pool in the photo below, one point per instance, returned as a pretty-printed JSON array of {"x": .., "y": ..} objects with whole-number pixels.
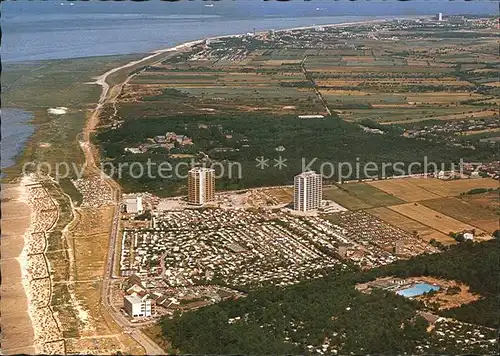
[{"x": 417, "y": 289}]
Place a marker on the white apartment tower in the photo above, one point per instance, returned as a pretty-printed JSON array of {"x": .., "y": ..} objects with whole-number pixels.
[
  {"x": 307, "y": 191},
  {"x": 440, "y": 17},
  {"x": 201, "y": 185}
]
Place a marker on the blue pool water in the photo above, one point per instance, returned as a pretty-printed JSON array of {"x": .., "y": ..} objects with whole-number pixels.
[{"x": 417, "y": 289}]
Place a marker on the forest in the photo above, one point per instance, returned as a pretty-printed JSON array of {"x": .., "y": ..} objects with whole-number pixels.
[
  {"x": 476, "y": 264},
  {"x": 328, "y": 142},
  {"x": 287, "y": 320}
]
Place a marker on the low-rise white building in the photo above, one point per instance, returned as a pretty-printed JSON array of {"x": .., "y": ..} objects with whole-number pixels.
[
  {"x": 311, "y": 116},
  {"x": 133, "y": 204},
  {"x": 468, "y": 236},
  {"x": 137, "y": 306}
]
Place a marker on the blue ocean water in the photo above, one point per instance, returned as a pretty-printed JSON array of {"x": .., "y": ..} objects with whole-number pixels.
[
  {"x": 417, "y": 289},
  {"x": 55, "y": 29},
  {"x": 51, "y": 29},
  {"x": 15, "y": 132}
]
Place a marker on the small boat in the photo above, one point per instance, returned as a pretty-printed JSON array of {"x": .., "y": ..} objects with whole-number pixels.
[{"x": 209, "y": 5}]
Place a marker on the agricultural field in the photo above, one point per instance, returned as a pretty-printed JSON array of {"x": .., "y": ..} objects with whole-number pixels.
[
  {"x": 407, "y": 224},
  {"x": 387, "y": 114},
  {"x": 454, "y": 187},
  {"x": 463, "y": 211},
  {"x": 489, "y": 201},
  {"x": 405, "y": 189},
  {"x": 472, "y": 114},
  {"x": 343, "y": 198},
  {"x": 420, "y": 76},
  {"x": 426, "y": 207},
  {"x": 217, "y": 84},
  {"x": 411, "y": 79},
  {"x": 432, "y": 218},
  {"x": 419, "y": 189},
  {"x": 359, "y": 196},
  {"x": 436, "y": 207}
]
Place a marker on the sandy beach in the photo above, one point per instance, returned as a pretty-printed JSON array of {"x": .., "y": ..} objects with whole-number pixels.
[
  {"x": 17, "y": 329},
  {"x": 28, "y": 323}
]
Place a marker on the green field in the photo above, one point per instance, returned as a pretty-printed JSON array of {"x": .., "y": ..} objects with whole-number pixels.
[
  {"x": 409, "y": 113},
  {"x": 345, "y": 199},
  {"x": 355, "y": 196},
  {"x": 370, "y": 194},
  {"x": 38, "y": 86},
  {"x": 252, "y": 88}
]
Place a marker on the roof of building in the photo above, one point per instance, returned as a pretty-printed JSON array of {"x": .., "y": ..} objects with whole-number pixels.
[
  {"x": 307, "y": 174},
  {"x": 202, "y": 169},
  {"x": 131, "y": 197},
  {"x": 431, "y": 318},
  {"x": 133, "y": 298},
  {"x": 311, "y": 116},
  {"x": 133, "y": 280},
  {"x": 135, "y": 289}
]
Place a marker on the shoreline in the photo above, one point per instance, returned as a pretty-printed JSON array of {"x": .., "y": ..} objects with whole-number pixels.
[
  {"x": 345, "y": 19},
  {"x": 17, "y": 217},
  {"x": 19, "y": 130},
  {"x": 23, "y": 256},
  {"x": 39, "y": 324},
  {"x": 101, "y": 79},
  {"x": 21, "y": 194}
]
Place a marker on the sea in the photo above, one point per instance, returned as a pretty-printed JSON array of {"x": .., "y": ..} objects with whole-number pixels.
[
  {"x": 15, "y": 131},
  {"x": 50, "y": 29}
]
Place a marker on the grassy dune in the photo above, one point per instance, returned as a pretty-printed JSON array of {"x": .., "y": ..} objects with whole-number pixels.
[{"x": 38, "y": 86}]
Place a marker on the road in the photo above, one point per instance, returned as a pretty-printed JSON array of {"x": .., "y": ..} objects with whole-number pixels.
[
  {"x": 313, "y": 83},
  {"x": 109, "y": 94}
]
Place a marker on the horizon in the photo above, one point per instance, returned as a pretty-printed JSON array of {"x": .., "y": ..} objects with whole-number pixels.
[{"x": 252, "y": 8}]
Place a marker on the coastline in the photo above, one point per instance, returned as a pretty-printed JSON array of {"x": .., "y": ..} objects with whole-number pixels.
[
  {"x": 29, "y": 214},
  {"x": 18, "y": 237},
  {"x": 17, "y": 129},
  {"x": 16, "y": 316},
  {"x": 101, "y": 79}
]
